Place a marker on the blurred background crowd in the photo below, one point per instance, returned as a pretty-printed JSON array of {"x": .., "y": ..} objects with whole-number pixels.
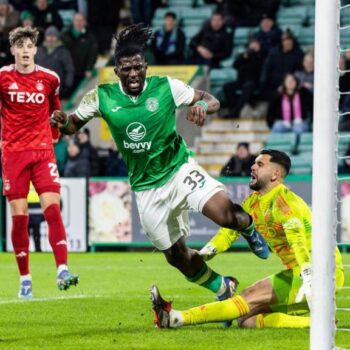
[{"x": 267, "y": 46}]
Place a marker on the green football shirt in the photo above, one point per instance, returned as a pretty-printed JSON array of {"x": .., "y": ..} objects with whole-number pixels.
[{"x": 143, "y": 127}]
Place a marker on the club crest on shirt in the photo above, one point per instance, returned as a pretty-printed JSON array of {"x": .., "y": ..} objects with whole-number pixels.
[
  {"x": 152, "y": 104},
  {"x": 39, "y": 85},
  {"x": 136, "y": 131}
]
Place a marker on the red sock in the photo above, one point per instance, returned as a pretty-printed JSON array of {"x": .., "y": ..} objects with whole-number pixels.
[
  {"x": 57, "y": 233},
  {"x": 20, "y": 242}
]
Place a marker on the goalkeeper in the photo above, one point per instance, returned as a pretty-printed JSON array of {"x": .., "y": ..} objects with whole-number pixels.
[{"x": 284, "y": 220}]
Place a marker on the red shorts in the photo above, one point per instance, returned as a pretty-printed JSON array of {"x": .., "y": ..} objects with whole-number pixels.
[{"x": 37, "y": 166}]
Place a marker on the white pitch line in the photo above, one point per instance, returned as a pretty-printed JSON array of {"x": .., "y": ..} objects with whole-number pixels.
[{"x": 17, "y": 301}]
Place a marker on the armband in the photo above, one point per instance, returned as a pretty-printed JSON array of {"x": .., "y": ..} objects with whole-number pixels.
[{"x": 203, "y": 104}]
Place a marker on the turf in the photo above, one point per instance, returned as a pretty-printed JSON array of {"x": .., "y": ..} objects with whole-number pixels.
[{"x": 110, "y": 308}]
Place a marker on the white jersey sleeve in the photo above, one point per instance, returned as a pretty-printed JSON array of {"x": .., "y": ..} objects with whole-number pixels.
[
  {"x": 89, "y": 106},
  {"x": 183, "y": 94}
]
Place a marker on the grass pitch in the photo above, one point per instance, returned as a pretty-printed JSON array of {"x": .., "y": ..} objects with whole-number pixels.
[{"x": 110, "y": 308}]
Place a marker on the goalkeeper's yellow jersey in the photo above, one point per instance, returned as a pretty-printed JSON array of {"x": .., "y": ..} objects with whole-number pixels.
[{"x": 284, "y": 220}]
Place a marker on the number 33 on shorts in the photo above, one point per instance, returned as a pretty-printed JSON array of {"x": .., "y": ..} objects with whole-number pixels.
[{"x": 195, "y": 179}]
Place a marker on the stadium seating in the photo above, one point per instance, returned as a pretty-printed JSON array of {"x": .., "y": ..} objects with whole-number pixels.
[
  {"x": 282, "y": 141},
  {"x": 305, "y": 142},
  {"x": 292, "y": 15},
  {"x": 301, "y": 164}
]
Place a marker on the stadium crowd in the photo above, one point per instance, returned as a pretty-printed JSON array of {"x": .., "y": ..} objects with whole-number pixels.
[{"x": 273, "y": 69}]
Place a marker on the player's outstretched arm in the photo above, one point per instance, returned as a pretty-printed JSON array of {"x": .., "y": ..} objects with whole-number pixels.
[
  {"x": 68, "y": 124},
  {"x": 202, "y": 104}
]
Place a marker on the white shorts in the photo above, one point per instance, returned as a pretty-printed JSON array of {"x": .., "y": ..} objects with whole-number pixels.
[{"x": 164, "y": 210}]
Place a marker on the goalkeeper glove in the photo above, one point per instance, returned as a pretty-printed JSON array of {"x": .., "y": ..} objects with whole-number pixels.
[{"x": 305, "y": 289}]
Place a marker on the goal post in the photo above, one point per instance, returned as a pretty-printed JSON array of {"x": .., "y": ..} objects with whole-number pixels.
[{"x": 324, "y": 181}]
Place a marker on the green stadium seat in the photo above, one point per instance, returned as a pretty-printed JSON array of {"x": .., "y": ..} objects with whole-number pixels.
[
  {"x": 227, "y": 63},
  {"x": 292, "y": 15},
  {"x": 222, "y": 75},
  {"x": 196, "y": 16},
  {"x": 301, "y": 164},
  {"x": 190, "y": 31},
  {"x": 306, "y": 142},
  {"x": 343, "y": 142},
  {"x": 160, "y": 12},
  {"x": 306, "y": 36},
  {"x": 241, "y": 35},
  {"x": 282, "y": 141}
]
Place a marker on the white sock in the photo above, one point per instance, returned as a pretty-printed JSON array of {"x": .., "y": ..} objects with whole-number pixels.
[
  {"x": 25, "y": 278},
  {"x": 61, "y": 268},
  {"x": 176, "y": 319}
]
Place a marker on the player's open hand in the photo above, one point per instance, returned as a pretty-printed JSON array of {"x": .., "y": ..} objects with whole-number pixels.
[
  {"x": 58, "y": 119},
  {"x": 197, "y": 114}
]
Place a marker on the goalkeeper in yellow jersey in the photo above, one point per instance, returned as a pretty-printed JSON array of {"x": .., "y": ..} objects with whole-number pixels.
[{"x": 284, "y": 220}]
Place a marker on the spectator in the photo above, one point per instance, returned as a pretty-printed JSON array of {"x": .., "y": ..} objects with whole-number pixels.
[
  {"x": 9, "y": 18},
  {"x": 103, "y": 18},
  {"x": 83, "y": 48},
  {"x": 285, "y": 59},
  {"x": 291, "y": 108},
  {"x": 241, "y": 13},
  {"x": 88, "y": 151},
  {"x": 142, "y": 11},
  {"x": 306, "y": 76},
  {"x": 114, "y": 166},
  {"x": 55, "y": 56},
  {"x": 213, "y": 43},
  {"x": 27, "y": 19},
  {"x": 269, "y": 34},
  {"x": 248, "y": 65},
  {"x": 240, "y": 164},
  {"x": 168, "y": 44},
  {"x": 45, "y": 15},
  {"x": 77, "y": 164}
]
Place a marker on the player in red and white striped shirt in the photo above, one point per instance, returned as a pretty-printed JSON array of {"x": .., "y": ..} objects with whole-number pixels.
[{"x": 29, "y": 94}]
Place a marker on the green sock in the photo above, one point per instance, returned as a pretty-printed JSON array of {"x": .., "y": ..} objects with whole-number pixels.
[
  {"x": 249, "y": 230},
  {"x": 207, "y": 278}
]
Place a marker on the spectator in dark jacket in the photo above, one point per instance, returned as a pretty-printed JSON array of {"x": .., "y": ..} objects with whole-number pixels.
[
  {"x": 103, "y": 19},
  {"x": 213, "y": 43},
  {"x": 82, "y": 46},
  {"x": 77, "y": 164},
  {"x": 88, "y": 151},
  {"x": 240, "y": 164},
  {"x": 168, "y": 44},
  {"x": 285, "y": 59},
  {"x": 291, "y": 108},
  {"x": 45, "y": 15},
  {"x": 248, "y": 65},
  {"x": 115, "y": 165},
  {"x": 269, "y": 34},
  {"x": 55, "y": 56}
]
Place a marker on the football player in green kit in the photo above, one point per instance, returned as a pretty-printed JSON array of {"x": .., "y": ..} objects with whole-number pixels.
[{"x": 140, "y": 113}]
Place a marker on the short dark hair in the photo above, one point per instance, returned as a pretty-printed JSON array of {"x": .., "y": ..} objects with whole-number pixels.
[
  {"x": 132, "y": 41},
  {"x": 243, "y": 144},
  {"x": 19, "y": 34},
  {"x": 170, "y": 14},
  {"x": 280, "y": 158}
]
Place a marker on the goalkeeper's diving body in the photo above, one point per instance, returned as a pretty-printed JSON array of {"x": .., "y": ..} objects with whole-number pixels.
[{"x": 284, "y": 220}]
